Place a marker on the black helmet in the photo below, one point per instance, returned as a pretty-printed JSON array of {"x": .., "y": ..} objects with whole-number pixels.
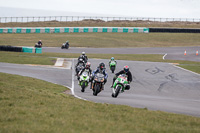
[
  {"x": 126, "y": 69},
  {"x": 101, "y": 66}
]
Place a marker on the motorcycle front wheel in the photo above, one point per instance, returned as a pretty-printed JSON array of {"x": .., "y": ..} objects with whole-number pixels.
[
  {"x": 83, "y": 87},
  {"x": 96, "y": 89},
  {"x": 117, "y": 90}
]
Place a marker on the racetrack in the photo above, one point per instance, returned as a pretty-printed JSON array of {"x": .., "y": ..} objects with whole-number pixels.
[
  {"x": 172, "y": 53},
  {"x": 155, "y": 86}
]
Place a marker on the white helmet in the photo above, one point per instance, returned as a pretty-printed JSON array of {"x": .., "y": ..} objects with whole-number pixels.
[{"x": 83, "y": 53}]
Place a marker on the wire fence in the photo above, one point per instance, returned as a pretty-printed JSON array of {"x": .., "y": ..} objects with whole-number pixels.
[{"x": 84, "y": 18}]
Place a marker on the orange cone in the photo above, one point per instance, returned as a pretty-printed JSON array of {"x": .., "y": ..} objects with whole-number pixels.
[
  {"x": 197, "y": 52},
  {"x": 185, "y": 52}
]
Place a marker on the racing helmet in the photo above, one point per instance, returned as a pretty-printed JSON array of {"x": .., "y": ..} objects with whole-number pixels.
[
  {"x": 112, "y": 58},
  {"x": 101, "y": 66},
  {"x": 83, "y": 53},
  {"x": 88, "y": 65},
  {"x": 126, "y": 69}
]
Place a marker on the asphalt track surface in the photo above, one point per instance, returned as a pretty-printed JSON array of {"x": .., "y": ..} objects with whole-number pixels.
[
  {"x": 155, "y": 86},
  {"x": 172, "y": 53}
]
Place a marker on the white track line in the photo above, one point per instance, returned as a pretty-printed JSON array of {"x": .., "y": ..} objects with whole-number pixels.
[
  {"x": 185, "y": 70},
  {"x": 164, "y": 56},
  {"x": 72, "y": 89},
  {"x": 72, "y": 77}
]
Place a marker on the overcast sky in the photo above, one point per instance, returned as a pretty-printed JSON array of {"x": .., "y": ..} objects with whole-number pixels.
[{"x": 133, "y": 8}]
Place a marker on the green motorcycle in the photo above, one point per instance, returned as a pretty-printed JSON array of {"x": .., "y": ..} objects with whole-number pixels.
[
  {"x": 112, "y": 65},
  {"x": 83, "y": 81},
  {"x": 120, "y": 84}
]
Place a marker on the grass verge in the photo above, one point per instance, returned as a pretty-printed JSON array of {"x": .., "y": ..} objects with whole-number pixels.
[
  {"x": 100, "y": 23},
  {"x": 46, "y": 58},
  {"x": 25, "y": 58},
  {"x": 31, "y": 105},
  {"x": 103, "y": 39}
]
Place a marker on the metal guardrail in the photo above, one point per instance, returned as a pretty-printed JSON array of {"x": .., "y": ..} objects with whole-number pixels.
[{"x": 81, "y": 18}]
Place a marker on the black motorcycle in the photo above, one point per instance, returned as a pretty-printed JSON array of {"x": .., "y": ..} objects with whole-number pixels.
[
  {"x": 38, "y": 45},
  {"x": 98, "y": 83},
  {"x": 65, "y": 46}
]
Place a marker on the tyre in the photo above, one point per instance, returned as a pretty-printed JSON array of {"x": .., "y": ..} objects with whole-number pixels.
[
  {"x": 83, "y": 87},
  {"x": 112, "y": 69},
  {"x": 96, "y": 89},
  {"x": 117, "y": 90}
]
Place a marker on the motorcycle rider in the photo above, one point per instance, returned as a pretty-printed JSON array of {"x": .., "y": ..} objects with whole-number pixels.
[
  {"x": 84, "y": 57},
  {"x": 86, "y": 69},
  {"x": 67, "y": 44},
  {"x": 124, "y": 71},
  {"x": 40, "y": 43},
  {"x": 112, "y": 59},
  {"x": 100, "y": 69},
  {"x": 80, "y": 62}
]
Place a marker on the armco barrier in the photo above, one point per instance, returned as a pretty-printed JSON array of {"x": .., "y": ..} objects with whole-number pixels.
[
  {"x": 174, "y": 30},
  {"x": 32, "y": 50},
  {"x": 38, "y": 50},
  {"x": 74, "y": 30},
  {"x": 27, "y": 50}
]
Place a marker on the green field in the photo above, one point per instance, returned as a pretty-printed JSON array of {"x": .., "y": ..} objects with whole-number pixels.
[
  {"x": 103, "y": 39},
  {"x": 31, "y": 105}
]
